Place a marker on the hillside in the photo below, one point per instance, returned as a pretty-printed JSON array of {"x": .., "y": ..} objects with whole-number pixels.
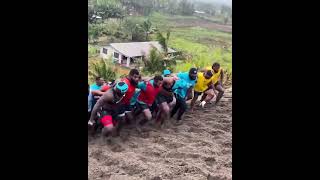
[{"x": 200, "y": 147}]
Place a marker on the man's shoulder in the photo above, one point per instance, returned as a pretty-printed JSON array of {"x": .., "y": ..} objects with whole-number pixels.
[{"x": 94, "y": 87}]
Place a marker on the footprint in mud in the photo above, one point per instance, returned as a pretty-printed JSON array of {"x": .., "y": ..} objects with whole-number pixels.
[
  {"x": 156, "y": 178},
  {"x": 175, "y": 155},
  {"x": 228, "y": 164},
  {"x": 215, "y": 132},
  {"x": 133, "y": 145},
  {"x": 224, "y": 120},
  {"x": 97, "y": 154},
  {"x": 210, "y": 161},
  {"x": 227, "y": 144},
  {"x": 178, "y": 155},
  {"x": 159, "y": 140},
  {"x": 217, "y": 137},
  {"x": 210, "y": 177},
  {"x": 142, "y": 158},
  {"x": 110, "y": 161},
  {"x": 223, "y": 127},
  {"x": 124, "y": 136},
  {"x": 132, "y": 169},
  {"x": 226, "y": 151},
  {"x": 192, "y": 170},
  {"x": 116, "y": 148},
  {"x": 209, "y": 110},
  {"x": 188, "y": 116},
  {"x": 195, "y": 130},
  {"x": 153, "y": 153},
  {"x": 203, "y": 143},
  {"x": 145, "y": 135},
  {"x": 174, "y": 145}
]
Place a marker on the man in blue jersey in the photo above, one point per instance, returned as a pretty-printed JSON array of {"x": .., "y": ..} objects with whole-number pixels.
[{"x": 182, "y": 89}]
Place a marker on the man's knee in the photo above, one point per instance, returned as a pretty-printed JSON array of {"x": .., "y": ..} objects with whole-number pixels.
[
  {"x": 209, "y": 92},
  {"x": 220, "y": 88},
  {"x": 107, "y": 130},
  {"x": 148, "y": 116},
  {"x": 165, "y": 108}
]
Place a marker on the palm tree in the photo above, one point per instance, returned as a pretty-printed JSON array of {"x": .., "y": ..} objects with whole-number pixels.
[
  {"x": 146, "y": 26},
  {"x": 163, "y": 41}
]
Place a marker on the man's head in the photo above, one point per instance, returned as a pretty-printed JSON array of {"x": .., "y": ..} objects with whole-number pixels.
[
  {"x": 193, "y": 73},
  {"x": 157, "y": 81},
  {"x": 208, "y": 74},
  {"x": 134, "y": 76},
  {"x": 112, "y": 82},
  {"x": 120, "y": 89},
  {"x": 215, "y": 67},
  {"x": 99, "y": 81},
  {"x": 166, "y": 73}
]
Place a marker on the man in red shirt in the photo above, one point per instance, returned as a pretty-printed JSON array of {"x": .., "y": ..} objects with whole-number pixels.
[
  {"x": 146, "y": 98},
  {"x": 132, "y": 81}
]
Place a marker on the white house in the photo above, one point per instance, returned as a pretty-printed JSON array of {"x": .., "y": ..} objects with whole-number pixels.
[
  {"x": 126, "y": 54},
  {"x": 199, "y": 12}
]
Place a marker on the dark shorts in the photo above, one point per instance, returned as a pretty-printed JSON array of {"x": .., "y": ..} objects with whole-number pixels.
[
  {"x": 161, "y": 99},
  {"x": 123, "y": 108},
  {"x": 153, "y": 107},
  {"x": 140, "y": 107}
]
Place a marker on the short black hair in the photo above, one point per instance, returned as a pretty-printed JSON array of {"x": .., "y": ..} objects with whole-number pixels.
[
  {"x": 158, "y": 78},
  {"x": 98, "y": 78},
  {"x": 134, "y": 72},
  {"x": 193, "y": 71},
  {"x": 215, "y": 65},
  {"x": 209, "y": 73}
]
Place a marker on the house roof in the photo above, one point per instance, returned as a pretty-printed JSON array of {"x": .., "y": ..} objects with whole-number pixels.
[{"x": 134, "y": 49}]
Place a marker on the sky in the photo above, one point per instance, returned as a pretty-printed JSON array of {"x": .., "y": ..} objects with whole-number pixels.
[{"x": 225, "y": 2}]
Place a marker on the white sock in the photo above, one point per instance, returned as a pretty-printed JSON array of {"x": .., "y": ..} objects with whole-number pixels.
[{"x": 203, "y": 103}]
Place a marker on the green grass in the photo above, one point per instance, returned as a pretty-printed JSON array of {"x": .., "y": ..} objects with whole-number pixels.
[{"x": 206, "y": 46}]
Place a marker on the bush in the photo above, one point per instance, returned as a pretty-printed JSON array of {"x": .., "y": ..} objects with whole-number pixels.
[
  {"x": 92, "y": 51},
  {"x": 154, "y": 63},
  {"x": 103, "y": 69}
]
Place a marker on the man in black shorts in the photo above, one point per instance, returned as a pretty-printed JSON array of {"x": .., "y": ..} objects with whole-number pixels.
[{"x": 165, "y": 99}]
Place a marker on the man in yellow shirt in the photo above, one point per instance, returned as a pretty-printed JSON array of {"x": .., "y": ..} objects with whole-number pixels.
[
  {"x": 204, "y": 85},
  {"x": 217, "y": 81}
]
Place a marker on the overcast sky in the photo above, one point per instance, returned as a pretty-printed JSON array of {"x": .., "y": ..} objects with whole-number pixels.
[{"x": 225, "y": 2}]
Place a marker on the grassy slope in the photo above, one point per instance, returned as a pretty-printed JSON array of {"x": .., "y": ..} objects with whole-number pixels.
[{"x": 205, "y": 45}]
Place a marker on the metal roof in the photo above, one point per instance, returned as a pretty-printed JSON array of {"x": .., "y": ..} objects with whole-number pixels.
[{"x": 134, "y": 49}]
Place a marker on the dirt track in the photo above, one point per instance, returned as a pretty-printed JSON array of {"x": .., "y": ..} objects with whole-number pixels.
[{"x": 202, "y": 145}]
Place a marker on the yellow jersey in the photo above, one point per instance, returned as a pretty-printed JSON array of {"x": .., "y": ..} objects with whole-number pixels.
[
  {"x": 202, "y": 82},
  {"x": 216, "y": 76}
]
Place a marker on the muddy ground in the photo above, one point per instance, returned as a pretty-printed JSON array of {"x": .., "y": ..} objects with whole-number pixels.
[{"x": 200, "y": 148}]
